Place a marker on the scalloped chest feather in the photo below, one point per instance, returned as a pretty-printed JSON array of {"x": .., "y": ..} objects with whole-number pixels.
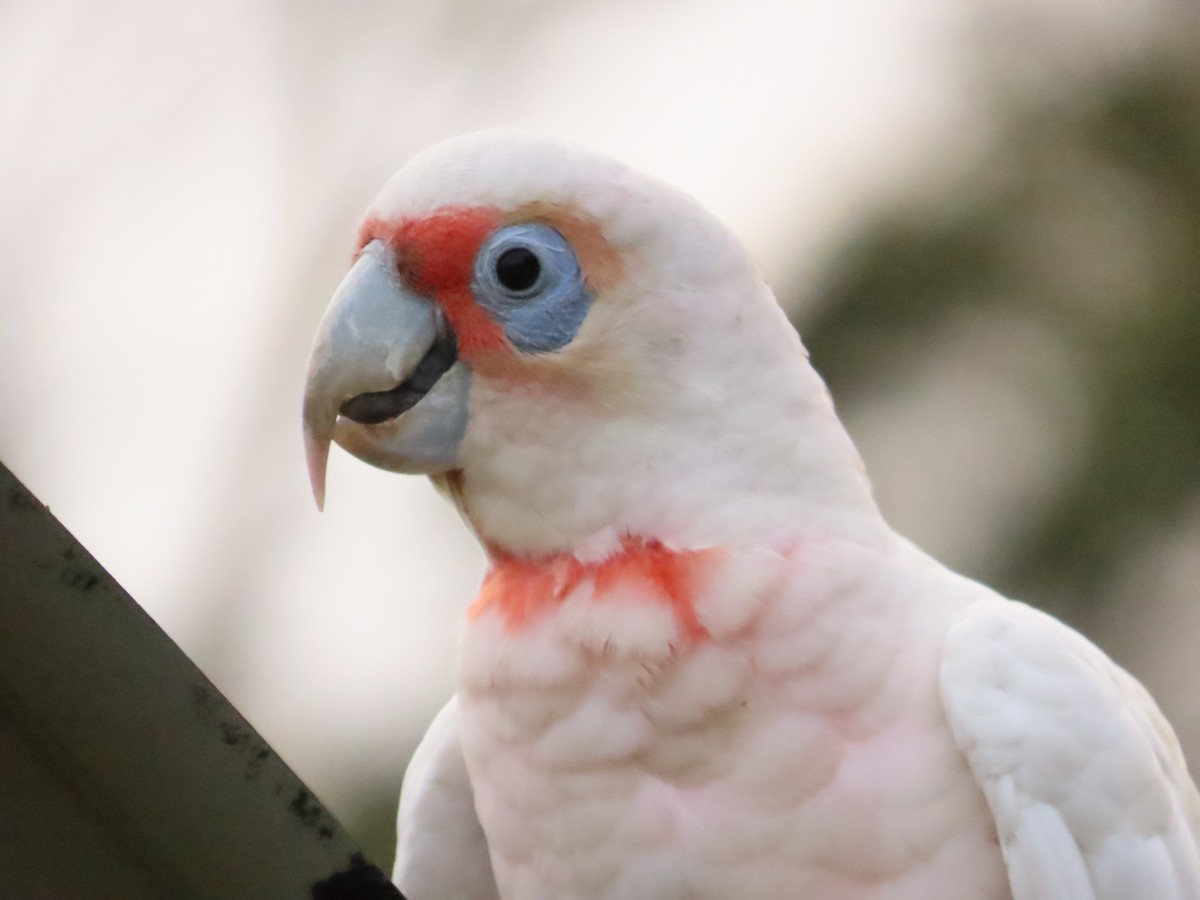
[{"x": 717, "y": 723}]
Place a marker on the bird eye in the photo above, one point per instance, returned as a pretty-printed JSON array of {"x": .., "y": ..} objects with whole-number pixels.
[
  {"x": 517, "y": 269},
  {"x": 523, "y": 261},
  {"x": 528, "y": 278}
]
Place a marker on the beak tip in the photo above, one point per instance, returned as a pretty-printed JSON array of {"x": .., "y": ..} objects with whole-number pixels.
[{"x": 316, "y": 452}]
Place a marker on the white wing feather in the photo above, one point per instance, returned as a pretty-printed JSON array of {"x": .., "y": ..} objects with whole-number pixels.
[
  {"x": 441, "y": 852},
  {"x": 1082, "y": 773}
]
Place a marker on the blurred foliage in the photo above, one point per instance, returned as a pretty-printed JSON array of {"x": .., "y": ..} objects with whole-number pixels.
[{"x": 1084, "y": 217}]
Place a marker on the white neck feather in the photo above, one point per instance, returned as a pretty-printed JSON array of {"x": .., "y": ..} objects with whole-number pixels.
[{"x": 729, "y": 451}]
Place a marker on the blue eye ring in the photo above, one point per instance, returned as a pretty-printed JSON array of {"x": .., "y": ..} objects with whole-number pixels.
[
  {"x": 528, "y": 278},
  {"x": 556, "y": 260}
]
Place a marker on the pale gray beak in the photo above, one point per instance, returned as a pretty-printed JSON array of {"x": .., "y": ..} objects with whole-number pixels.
[{"x": 384, "y": 379}]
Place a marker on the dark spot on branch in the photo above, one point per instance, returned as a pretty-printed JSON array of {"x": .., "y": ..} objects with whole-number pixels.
[
  {"x": 360, "y": 880},
  {"x": 19, "y": 498}
]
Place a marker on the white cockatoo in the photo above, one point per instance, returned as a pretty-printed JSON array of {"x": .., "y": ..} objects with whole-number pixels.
[{"x": 701, "y": 664}]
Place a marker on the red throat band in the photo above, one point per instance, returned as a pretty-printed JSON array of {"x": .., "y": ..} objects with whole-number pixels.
[{"x": 521, "y": 590}]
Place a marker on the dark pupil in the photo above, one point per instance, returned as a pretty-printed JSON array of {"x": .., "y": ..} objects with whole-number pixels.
[{"x": 518, "y": 268}]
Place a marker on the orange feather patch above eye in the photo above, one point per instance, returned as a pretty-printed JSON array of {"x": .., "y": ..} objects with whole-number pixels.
[
  {"x": 436, "y": 256},
  {"x": 521, "y": 590},
  {"x": 602, "y": 265}
]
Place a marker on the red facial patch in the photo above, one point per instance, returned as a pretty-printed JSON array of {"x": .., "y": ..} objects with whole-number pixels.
[
  {"x": 436, "y": 255},
  {"x": 521, "y": 590}
]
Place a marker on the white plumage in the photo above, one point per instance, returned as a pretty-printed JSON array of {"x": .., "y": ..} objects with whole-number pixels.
[
  {"x": 701, "y": 663},
  {"x": 1085, "y": 778}
]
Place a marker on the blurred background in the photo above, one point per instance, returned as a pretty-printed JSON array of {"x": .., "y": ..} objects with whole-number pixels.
[{"x": 984, "y": 219}]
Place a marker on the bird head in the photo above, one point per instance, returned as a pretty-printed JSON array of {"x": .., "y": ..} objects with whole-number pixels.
[{"x": 576, "y": 353}]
